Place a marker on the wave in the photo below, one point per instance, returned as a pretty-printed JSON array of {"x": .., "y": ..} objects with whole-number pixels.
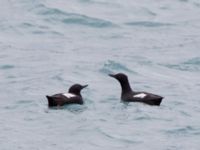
[
  {"x": 193, "y": 61},
  {"x": 189, "y": 65},
  {"x": 55, "y": 15}
]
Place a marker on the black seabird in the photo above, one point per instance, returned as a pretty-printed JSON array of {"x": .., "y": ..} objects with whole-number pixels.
[
  {"x": 128, "y": 95},
  {"x": 72, "y": 97}
]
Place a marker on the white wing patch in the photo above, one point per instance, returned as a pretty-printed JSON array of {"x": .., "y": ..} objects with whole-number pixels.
[
  {"x": 141, "y": 95},
  {"x": 69, "y": 95}
]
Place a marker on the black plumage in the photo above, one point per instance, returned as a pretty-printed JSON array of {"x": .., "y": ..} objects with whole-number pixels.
[
  {"x": 72, "y": 97},
  {"x": 128, "y": 95}
]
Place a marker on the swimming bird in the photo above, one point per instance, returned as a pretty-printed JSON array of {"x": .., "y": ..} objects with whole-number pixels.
[
  {"x": 72, "y": 97},
  {"x": 128, "y": 95}
]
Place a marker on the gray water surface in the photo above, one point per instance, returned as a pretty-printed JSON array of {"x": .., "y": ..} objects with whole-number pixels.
[{"x": 46, "y": 46}]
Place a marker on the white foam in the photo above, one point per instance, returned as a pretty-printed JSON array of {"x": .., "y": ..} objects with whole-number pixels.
[
  {"x": 69, "y": 95},
  {"x": 141, "y": 95}
]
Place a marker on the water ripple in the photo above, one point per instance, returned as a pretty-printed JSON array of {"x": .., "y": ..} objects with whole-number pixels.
[
  {"x": 187, "y": 130},
  {"x": 6, "y": 66},
  {"x": 111, "y": 66},
  {"x": 148, "y": 24},
  {"x": 117, "y": 137},
  {"x": 38, "y": 29}
]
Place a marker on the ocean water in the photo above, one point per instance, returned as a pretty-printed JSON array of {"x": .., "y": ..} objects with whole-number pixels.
[{"x": 46, "y": 46}]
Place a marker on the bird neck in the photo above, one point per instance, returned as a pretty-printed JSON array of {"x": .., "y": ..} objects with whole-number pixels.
[
  {"x": 125, "y": 87},
  {"x": 79, "y": 94},
  {"x": 75, "y": 92}
]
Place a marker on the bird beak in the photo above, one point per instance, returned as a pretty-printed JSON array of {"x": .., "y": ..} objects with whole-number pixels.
[
  {"x": 84, "y": 86},
  {"x": 112, "y": 75}
]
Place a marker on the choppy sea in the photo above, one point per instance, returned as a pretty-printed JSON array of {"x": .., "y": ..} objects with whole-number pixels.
[{"x": 47, "y": 45}]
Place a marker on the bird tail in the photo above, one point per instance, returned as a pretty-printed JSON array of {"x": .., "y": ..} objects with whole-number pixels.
[
  {"x": 50, "y": 101},
  {"x": 158, "y": 101}
]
